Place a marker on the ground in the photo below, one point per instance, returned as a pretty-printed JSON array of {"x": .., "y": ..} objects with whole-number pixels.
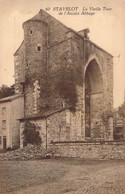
[{"x": 55, "y": 176}]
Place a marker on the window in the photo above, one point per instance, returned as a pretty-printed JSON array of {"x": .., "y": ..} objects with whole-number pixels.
[
  {"x": 30, "y": 32},
  {"x": 67, "y": 118},
  {"x": 67, "y": 133},
  {"x": 3, "y": 110},
  {"x": 4, "y": 142},
  {"x": 4, "y": 124},
  {"x": 68, "y": 125},
  {"x": 0, "y": 140},
  {"x": 27, "y": 65},
  {"x": 38, "y": 48}
]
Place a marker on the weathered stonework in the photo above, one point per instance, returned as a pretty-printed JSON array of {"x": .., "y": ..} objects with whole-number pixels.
[
  {"x": 85, "y": 150},
  {"x": 56, "y": 126},
  {"x": 64, "y": 70},
  {"x": 19, "y": 69}
]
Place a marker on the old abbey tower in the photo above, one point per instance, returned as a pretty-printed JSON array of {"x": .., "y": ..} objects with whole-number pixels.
[{"x": 66, "y": 79}]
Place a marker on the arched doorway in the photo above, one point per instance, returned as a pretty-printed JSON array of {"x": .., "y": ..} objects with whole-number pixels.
[{"x": 93, "y": 96}]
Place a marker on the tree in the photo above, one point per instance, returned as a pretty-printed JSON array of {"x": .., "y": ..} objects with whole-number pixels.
[
  {"x": 105, "y": 117},
  {"x": 119, "y": 122},
  {"x": 30, "y": 134},
  {"x": 97, "y": 130},
  {"x": 121, "y": 110},
  {"x": 6, "y": 91}
]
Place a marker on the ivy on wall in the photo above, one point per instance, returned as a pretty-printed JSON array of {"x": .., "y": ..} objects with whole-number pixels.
[
  {"x": 58, "y": 84},
  {"x": 31, "y": 134}
]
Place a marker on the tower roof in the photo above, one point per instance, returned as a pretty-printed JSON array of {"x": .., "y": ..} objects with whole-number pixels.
[
  {"x": 41, "y": 17},
  {"x": 46, "y": 18}
]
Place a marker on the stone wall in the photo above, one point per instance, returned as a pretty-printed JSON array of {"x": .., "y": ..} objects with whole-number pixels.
[
  {"x": 50, "y": 129},
  {"x": 58, "y": 56},
  {"x": 19, "y": 68},
  {"x": 107, "y": 150},
  {"x": 61, "y": 126},
  {"x": 56, "y": 30}
]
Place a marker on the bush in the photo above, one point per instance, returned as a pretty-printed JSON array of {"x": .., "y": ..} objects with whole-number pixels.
[
  {"x": 9, "y": 149},
  {"x": 30, "y": 134}
]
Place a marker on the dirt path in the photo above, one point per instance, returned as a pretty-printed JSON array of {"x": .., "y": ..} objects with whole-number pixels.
[{"x": 67, "y": 176}]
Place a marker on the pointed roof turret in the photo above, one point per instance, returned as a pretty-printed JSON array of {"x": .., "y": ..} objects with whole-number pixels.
[{"x": 39, "y": 17}]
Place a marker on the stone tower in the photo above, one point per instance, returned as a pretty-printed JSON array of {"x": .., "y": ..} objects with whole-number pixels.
[
  {"x": 35, "y": 60},
  {"x": 56, "y": 68}
]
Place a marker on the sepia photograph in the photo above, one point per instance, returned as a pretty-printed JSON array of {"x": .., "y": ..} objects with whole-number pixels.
[{"x": 62, "y": 97}]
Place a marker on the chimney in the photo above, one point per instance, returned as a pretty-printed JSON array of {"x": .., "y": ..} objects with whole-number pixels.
[{"x": 84, "y": 33}]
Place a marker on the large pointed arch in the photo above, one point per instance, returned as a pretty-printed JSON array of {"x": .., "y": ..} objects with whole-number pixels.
[
  {"x": 91, "y": 58},
  {"x": 93, "y": 76}
]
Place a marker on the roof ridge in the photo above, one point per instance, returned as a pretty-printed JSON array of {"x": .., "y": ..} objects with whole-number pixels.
[
  {"x": 18, "y": 48},
  {"x": 11, "y": 98}
]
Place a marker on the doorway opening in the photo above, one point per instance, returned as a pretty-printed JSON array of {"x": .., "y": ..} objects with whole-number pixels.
[
  {"x": 93, "y": 96},
  {"x": 4, "y": 142}
]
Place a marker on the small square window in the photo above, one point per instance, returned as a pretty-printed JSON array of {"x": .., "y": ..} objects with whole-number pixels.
[
  {"x": 39, "y": 48},
  {"x": 30, "y": 32}
]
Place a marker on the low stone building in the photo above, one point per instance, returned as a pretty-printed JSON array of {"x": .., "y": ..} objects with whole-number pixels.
[
  {"x": 66, "y": 79},
  {"x": 11, "y": 110}
]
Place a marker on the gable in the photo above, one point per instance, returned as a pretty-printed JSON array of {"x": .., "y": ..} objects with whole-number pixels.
[{"x": 20, "y": 49}]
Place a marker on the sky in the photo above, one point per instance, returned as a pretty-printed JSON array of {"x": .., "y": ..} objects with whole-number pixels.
[{"x": 107, "y": 29}]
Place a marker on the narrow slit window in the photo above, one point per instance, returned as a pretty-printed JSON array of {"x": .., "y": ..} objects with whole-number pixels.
[
  {"x": 39, "y": 48},
  {"x": 30, "y": 32},
  {"x": 4, "y": 124},
  {"x": 27, "y": 65}
]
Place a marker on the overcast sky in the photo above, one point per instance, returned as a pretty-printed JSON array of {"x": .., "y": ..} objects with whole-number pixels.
[{"x": 107, "y": 29}]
